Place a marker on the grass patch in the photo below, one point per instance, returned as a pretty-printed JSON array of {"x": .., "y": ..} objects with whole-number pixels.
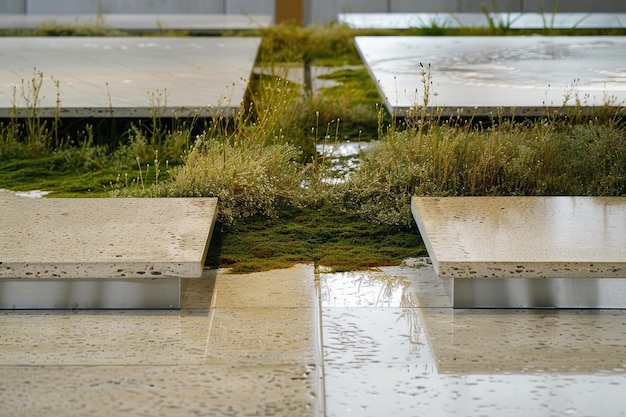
[
  {"x": 45, "y": 174},
  {"x": 354, "y": 100},
  {"x": 504, "y": 158}
]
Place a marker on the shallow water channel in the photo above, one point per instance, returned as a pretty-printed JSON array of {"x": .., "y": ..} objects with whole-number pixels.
[{"x": 343, "y": 157}]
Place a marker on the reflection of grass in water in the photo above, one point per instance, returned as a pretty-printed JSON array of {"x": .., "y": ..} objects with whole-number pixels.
[{"x": 391, "y": 288}]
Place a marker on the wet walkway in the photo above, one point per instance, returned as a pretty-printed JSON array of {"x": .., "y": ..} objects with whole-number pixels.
[
  {"x": 393, "y": 346},
  {"x": 245, "y": 345},
  {"x": 242, "y": 345}
]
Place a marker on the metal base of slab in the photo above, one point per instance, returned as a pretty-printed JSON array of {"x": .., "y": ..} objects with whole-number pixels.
[
  {"x": 23, "y": 294},
  {"x": 609, "y": 293}
]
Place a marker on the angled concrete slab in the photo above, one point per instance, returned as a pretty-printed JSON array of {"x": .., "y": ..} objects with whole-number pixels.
[
  {"x": 58, "y": 238},
  {"x": 126, "y": 76},
  {"x": 514, "y": 20},
  {"x": 194, "y": 23},
  {"x": 101, "y": 253},
  {"x": 528, "y": 252},
  {"x": 529, "y": 237},
  {"x": 525, "y": 76}
]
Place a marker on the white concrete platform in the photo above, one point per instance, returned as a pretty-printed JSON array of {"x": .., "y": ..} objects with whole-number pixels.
[
  {"x": 101, "y": 253},
  {"x": 126, "y": 76},
  {"x": 528, "y": 251},
  {"x": 513, "y": 20},
  {"x": 193, "y": 23},
  {"x": 525, "y": 76}
]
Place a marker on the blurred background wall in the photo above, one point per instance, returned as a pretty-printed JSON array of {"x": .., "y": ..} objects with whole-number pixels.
[{"x": 307, "y": 11}]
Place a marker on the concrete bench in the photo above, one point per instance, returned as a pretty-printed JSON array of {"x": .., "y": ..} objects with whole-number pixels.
[
  {"x": 525, "y": 252},
  {"x": 101, "y": 252}
]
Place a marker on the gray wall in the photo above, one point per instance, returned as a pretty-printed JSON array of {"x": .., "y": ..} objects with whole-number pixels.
[
  {"x": 12, "y": 6},
  {"x": 317, "y": 11}
]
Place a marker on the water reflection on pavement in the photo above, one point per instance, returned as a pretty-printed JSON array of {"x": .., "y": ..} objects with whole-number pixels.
[{"x": 393, "y": 346}]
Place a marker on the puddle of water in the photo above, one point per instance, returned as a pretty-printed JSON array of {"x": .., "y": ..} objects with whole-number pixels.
[
  {"x": 32, "y": 193},
  {"x": 364, "y": 289},
  {"x": 24, "y": 194},
  {"x": 344, "y": 157}
]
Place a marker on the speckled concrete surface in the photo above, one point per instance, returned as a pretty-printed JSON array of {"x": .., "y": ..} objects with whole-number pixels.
[
  {"x": 126, "y": 76},
  {"x": 527, "y": 237},
  {"x": 225, "y": 358},
  {"x": 242, "y": 345},
  {"x": 61, "y": 238}
]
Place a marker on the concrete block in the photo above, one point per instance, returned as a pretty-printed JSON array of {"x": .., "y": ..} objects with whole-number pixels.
[
  {"x": 526, "y": 237},
  {"x": 127, "y": 76},
  {"x": 481, "y": 75}
]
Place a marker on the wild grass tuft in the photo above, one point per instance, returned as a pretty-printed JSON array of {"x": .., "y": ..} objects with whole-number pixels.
[{"x": 459, "y": 158}]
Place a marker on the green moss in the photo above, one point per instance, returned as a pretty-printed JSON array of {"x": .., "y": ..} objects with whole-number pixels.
[
  {"x": 45, "y": 174},
  {"x": 328, "y": 237},
  {"x": 354, "y": 100}
]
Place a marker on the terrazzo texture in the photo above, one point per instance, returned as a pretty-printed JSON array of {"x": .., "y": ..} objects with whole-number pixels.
[
  {"x": 126, "y": 76},
  {"x": 526, "y": 237},
  {"x": 486, "y": 76},
  {"x": 104, "y": 237},
  {"x": 393, "y": 346},
  {"x": 194, "y": 23},
  {"x": 209, "y": 358}
]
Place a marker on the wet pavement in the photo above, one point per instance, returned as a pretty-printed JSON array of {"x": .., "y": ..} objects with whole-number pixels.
[
  {"x": 242, "y": 345},
  {"x": 297, "y": 342},
  {"x": 486, "y": 76},
  {"x": 393, "y": 346}
]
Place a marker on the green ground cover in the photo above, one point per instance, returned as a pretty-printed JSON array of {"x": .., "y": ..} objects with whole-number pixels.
[{"x": 280, "y": 201}]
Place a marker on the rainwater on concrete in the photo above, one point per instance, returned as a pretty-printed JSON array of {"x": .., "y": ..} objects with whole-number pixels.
[
  {"x": 295, "y": 342},
  {"x": 393, "y": 346},
  {"x": 523, "y": 75}
]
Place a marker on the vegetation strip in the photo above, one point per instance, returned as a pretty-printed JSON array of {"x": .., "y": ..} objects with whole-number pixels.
[{"x": 280, "y": 201}]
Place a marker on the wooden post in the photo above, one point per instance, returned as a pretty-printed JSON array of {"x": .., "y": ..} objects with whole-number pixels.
[{"x": 289, "y": 11}]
